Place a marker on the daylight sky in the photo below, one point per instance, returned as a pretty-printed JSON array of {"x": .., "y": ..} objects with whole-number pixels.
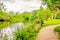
[{"x": 22, "y": 5}]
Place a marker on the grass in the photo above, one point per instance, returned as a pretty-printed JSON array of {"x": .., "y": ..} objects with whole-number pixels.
[
  {"x": 31, "y": 33},
  {"x": 46, "y": 23},
  {"x": 28, "y": 33},
  {"x": 4, "y": 24},
  {"x": 57, "y": 29},
  {"x": 51, "y": 22}
]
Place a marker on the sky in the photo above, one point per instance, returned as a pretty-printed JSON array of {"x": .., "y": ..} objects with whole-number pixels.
[{"x": 22, "y": 5}]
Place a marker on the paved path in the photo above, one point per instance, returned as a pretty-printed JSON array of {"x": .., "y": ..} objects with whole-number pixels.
[{"x": 47, "y": 33}]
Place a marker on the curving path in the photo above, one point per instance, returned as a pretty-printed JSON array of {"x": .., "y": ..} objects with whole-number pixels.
[{"x": 47, "y": 33}]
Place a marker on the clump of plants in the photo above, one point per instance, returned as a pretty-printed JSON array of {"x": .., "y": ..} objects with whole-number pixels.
[
  {"x": 37, "y": 21},
  {"x": 5, "y": 37},
  {"x": 57, "y": 29},
  {"x": 26, "y": 34}
]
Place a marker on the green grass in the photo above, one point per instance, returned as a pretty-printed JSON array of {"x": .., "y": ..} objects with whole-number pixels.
[
  {"x": 57, "y": 29},
  {"x": 26, "y": 34},
  {"x": 4, "y": 24},
  {"x": 52, "y": 22},
  {"x": 31, "y": 33}
]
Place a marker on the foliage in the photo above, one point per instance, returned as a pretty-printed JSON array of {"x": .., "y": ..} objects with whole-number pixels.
[
  {"x": 31, "y": 19},
  {"x": 29, "y": 33},
  {"x": 57, "y": 29},
  {"x": 37, "y": 21},
  {"x": 51, "y": 22},
  {"x": 44, "y": 13},
  {"x": 58, "y": 14},
  {"x": 2, "y": 7},
  {"x": 34, "y": 15},
  {"x": 52, "y": 4},
  {"x": 26, "y": 34},
  {"x": 5, "y": 38}
]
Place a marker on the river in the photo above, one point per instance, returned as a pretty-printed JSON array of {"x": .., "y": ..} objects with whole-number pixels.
[{"x": 10, "y": 30}]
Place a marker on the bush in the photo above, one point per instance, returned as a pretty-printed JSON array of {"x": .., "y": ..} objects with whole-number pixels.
[
  {"x": 5, "y": 37},
  {"x": 36, "y": 21},
  {"x": 58, "y": 16},
  {"x": 57, "y": 29},
  {"x": 25, "y": 34}
]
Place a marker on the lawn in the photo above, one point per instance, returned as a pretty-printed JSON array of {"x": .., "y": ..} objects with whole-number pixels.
[{"x": 52, "y": 22}]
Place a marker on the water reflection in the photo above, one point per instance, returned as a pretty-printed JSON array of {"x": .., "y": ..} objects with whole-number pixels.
[{"x": 9, "y": 30}]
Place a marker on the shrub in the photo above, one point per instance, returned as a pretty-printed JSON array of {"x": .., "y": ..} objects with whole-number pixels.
[
  {"x": 25, "y": 34},
  {"x": 58, "y": 16},
  {"x": 57, "y": 29},
  {"x": 5, "y": 37},
  {"x": 37, "y": 21}
]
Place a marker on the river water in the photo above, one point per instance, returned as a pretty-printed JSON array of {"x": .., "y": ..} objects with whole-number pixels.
[{"x": 9, "y": 30}]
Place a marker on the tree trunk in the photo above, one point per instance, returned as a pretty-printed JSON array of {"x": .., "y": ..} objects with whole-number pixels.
[{"x": 54, "y": 15}]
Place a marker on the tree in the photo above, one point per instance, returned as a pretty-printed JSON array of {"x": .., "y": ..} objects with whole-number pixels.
[
  {"x": 2, "y": 7},
  {"x": 53, "y": 5},
  {"x": 40, "y": 12},
  {"x": 48, "y": 13},
  {"x": 58, "y": 14},
  {"x": 26, "y": 16},
  {"x": 34, "y": 14},
  {"x": 44, "y": 13}
]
